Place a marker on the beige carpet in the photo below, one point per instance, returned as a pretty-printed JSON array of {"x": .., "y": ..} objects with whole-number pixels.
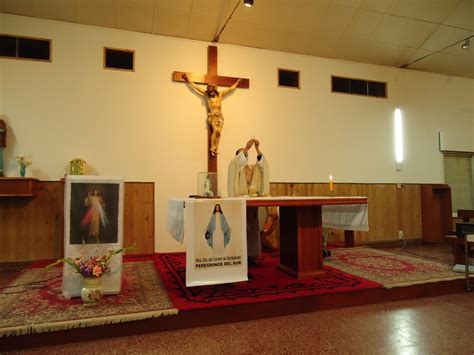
[
  {"x": 33, "y": 303},
  {"x": 390, "y": 269}
]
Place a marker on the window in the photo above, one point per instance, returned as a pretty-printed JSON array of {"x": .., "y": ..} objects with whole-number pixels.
[
  {"x": 359, "y": 87},
  {"x": 458, "y": 175},
  {"x": 121, "y": 59},
  {"x": 289, "y": 78},
  {"x": 25, "y": 48}
]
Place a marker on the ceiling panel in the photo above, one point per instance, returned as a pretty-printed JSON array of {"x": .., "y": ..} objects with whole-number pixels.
[
  {"x": 377, "y": 5},
  {"x": 462, "y": 16},
  {"x": 203, "y": 27},
  {"x": 437, "y": 62},
  {"x": 434, "y": 10},
  {"x": 406, "y": 8},
  {"x": 363, "y": 24},
  {"x": 427, "y": 10},
  {"x": 99, "y": 13},
  {"x": 353, "y": 3},
  {"x": 62, "y": 10},
  {"x": 353, "y": 49},
  {"x": 415, "y": 33},
  {"x": 213, "y": 8},
  {"x": 20, "y": 7},
  {"x": 245, "y": 34},
  {"x": 321, "y": 45},
  {"x": 336, "y": 20},
  {"x": 275, "y": 15},
  {"x": 281, "y": 41},
  {"x": 134, "y": 15},
  {"x": 389, "y": 28},
  {"x": 323, "y": 39},
  {"x": 169, "y": 22},
  {"x": 388, "y": 54},
  {"x": 181, "y": 5}
]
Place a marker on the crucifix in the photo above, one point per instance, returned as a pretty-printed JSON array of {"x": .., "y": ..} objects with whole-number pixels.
[{"x": 212, "y": 80}]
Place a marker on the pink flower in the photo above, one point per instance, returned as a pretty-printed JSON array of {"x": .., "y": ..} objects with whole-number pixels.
[{"x": 97, "y": 271}]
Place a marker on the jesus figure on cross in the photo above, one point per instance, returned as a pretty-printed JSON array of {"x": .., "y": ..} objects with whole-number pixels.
[{"x": 214, "y": 112}]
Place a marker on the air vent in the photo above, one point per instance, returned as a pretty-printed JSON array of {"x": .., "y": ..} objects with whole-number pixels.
[
  {"x": 120, "y": 59},
  {"x": 359, "y": 87},
  {"x": 289, "y": 78},
  {"x": 25, "y": 48}
]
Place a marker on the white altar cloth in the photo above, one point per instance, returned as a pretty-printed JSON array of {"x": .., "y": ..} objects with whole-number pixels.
[{"x": 343, "y": 217}]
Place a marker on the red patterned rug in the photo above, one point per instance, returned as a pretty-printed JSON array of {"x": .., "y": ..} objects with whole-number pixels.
[
  {"x": 33, "y": 303},
  {"x": 390, "y": 269},
  {"x": 266, "y": 283}
]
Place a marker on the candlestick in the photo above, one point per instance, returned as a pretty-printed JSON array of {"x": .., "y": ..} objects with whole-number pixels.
[{"x": 331, "y": 183}]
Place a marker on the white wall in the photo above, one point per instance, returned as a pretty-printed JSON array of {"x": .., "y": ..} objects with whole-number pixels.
[{"x": 145, "y": 127}]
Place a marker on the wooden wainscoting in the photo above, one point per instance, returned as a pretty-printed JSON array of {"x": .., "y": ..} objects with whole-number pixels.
[
  {"x": 390, "y": 208},
  {"x": 31, "y": 228},
  {"x": 139, "y": 217}
]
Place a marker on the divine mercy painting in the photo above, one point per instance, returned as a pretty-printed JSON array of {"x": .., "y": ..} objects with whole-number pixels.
[{"x": 94, "y": 213}]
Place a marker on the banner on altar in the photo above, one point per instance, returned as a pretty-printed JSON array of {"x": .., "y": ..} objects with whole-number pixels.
[{"x": 215, "y": 233}]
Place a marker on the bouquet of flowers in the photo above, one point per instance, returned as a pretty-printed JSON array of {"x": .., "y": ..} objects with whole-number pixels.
[
  {"x": 93, "y": 266},
  {"x": 23, "y": 161}
]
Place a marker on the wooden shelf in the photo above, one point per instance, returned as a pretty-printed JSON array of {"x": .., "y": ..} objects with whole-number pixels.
[{"x": 18, "y": 187}]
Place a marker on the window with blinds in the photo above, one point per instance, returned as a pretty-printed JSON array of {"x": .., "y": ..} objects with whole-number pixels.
[{"x": 458, "y": 175}]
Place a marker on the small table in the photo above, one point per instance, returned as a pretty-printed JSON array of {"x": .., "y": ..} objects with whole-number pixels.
[{"x": 458, "y": 248}]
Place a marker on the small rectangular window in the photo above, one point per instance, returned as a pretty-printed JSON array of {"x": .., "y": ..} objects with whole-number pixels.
[
  {"x": 25, "y": 48},
  {"x": 340, "y": 84},
  {"x": 359, "y": 87},
  {"x": 122, "y": 59},
  {"x": 7, "y": 46},
  {"x": 33, "y": 49},
  {"x": 377, "y": 89},
  {"x": 288, "y": 78}
]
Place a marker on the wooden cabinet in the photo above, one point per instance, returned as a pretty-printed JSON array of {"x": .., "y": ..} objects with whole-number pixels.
[
  {"x": 21, "y": 187},
  {"x": 436, "y": 212}
]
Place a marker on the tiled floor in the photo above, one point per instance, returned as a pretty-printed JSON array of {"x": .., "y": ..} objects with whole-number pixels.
[{"x": 437, "y": 325}]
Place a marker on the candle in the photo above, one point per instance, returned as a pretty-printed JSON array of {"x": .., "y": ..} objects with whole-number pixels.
[{"x": 331, "y": 183}]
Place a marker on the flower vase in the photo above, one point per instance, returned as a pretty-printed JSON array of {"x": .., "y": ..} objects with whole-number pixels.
[
  {"x": 91, "y": 292},
  {"x": 22, "y": 171}
]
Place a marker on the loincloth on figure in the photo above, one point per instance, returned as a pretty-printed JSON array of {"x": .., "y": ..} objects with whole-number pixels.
[{"x": 213, "y": 117}]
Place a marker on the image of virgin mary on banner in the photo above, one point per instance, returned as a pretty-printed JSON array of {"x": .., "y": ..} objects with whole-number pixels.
[
  {"x": 218, "y": 219},
  {"x": 216, "y": 241}
]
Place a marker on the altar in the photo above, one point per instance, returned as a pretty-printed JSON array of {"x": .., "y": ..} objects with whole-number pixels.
[{"x": 301, "y": 223}]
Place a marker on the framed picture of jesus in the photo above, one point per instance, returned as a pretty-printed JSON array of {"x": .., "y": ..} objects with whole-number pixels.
[
  {"x": 93, "y": 225},
  {"x": 93, "y": 212}
]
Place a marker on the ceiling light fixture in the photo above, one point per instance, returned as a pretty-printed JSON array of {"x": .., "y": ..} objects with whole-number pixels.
[
  {"x": 465, "y": 45},
  {"x": 247, "y": 3}
]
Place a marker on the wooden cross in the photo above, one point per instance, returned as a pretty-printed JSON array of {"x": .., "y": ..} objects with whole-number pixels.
[{"x": 211, "y": 78}]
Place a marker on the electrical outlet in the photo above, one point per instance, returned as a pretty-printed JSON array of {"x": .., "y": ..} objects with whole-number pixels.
[{"x": 401, "y": 235}]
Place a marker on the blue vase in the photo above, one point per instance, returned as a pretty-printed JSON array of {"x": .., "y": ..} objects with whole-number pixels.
[{"x": 22, "y": 171}]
